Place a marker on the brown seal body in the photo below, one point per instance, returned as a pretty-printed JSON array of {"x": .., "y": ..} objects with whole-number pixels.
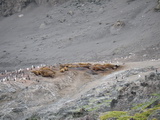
[{"x": 44, "y": 72}]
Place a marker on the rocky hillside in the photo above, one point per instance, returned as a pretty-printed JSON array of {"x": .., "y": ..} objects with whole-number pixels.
[
  {"x": 76, "y": 94},
  {"x": 79, "y": 60},
  {"x": 10, "y": 7}
]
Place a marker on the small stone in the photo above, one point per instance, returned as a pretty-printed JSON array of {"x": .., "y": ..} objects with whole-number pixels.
[
  {"x": 21, "y": 15},
  {"x": 17, "y": 110},
  {"x": 112, "y": 118},
  {"x": 131, "y": 119},
  {"x": 70, "y": 13},
  {"x": 101, "y": 95},
  {"x": 157, "y": 8},
  {"x": 49, "y": 16},
  {"x": 154, "y": 104},
  {"x": 113, "y": 103},
  {"x": 3, "y": 97},
  {"x": 97, "y": 0},
  {"x": 43, "y": 25},
  {"x": 151, "y": 76},
  {"x": 130, "y": 98},
  {"x": 100, "y": 23},
  {"x": 62, "y": 21},
  {"x": 70, "y": 38},
  {"x": 133, "y": 93},
  {"x": 144, "y": 84}
]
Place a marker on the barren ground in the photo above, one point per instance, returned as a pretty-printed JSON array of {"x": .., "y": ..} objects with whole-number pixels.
[{"x": 80, "y": 32}]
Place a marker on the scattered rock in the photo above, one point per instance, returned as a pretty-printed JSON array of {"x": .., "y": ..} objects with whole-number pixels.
[
  {"x": 49, "y": 16},
  {"x": 119, "y": 23},
  {"x": 17, "y": 110},
  {"x": 43, "y": 25},
  {"x": 155, "y": 115},
  {"x": 113, "y": 103},
  {"x": 34, "y": 117},
  {"x": 3, "y": 97},
  {"x": 157, "y": 8},
  {"x": 156, "y": 102},
  {"x": 21, "y": 15},
  {"x": 8, "y": 7},
  {"x": 62, "y": 21},
  {"x": 144, "y": 84},
  {"x": 103, "y": 98},
  {"x": 152, "y": 76},
  {"x": 129, "y": 1},
  {"x": 81, "y": 112},
  {"x": 70, "y": 13}
]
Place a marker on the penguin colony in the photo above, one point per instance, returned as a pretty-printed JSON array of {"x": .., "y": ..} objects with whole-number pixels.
[{"x": 51, "y": 71}]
